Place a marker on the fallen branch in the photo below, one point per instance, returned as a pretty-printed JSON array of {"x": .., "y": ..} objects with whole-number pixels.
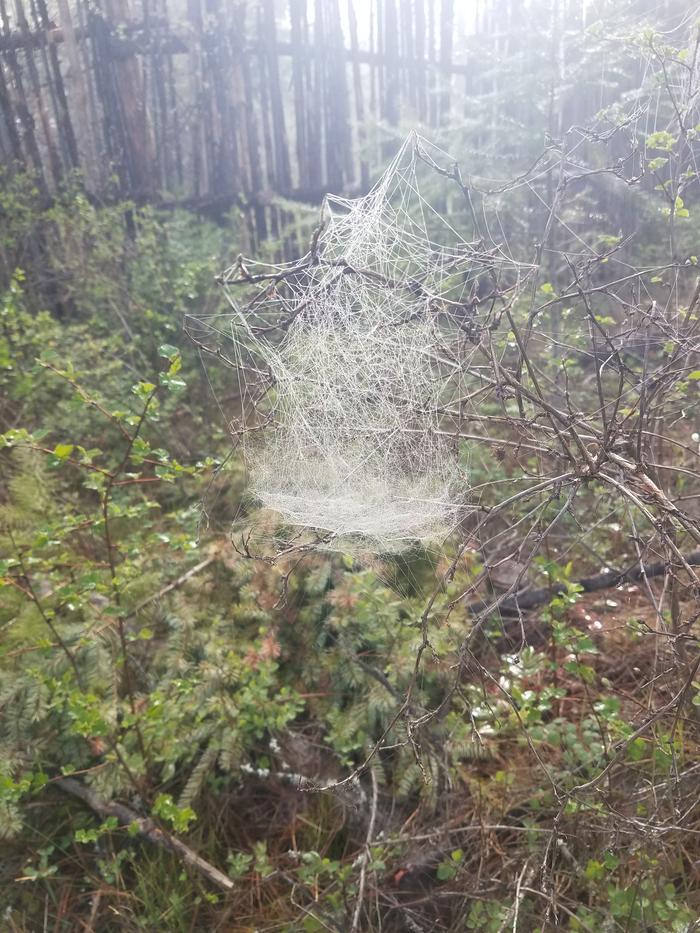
[
  {"x": 146, "y": 827},
  {"x": 529, "y": 599}
]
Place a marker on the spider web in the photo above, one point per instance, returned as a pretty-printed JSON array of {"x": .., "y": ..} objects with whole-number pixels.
[{"x": 353, "y": 363}]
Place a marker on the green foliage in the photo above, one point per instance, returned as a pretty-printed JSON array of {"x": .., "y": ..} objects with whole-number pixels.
[
  {"x": 178, "y": 817},
  {"x": 144, "y": 657},
  {"x": 486, "y": 916},
  {"x": 449, "y": 868}
]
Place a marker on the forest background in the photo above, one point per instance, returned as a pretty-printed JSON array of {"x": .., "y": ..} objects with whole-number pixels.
[{"x": 171, "y": 707}]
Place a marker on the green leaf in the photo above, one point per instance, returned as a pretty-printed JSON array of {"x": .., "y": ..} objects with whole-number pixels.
[
  {"x": 611, "y": 861},
  {"x": 679, "y": 208},
  {"x": 594, "y": 870},
  {"x": 172, "y": 382},
  {"x": 661, "y": 140},
  {"x": 63, "y": 451},
  {"x": 179, "y": 817},
  {"x": 168, "y": 351},
  {"x": 446, "y": 871},
  {"x": 143, "y": 389}
]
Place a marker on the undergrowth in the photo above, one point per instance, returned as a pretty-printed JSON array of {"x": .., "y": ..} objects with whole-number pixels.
[{"x": 194, "y": 740}]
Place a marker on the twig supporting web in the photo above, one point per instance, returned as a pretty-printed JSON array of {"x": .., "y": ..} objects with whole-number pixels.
[{"x": 352, "y": 362}]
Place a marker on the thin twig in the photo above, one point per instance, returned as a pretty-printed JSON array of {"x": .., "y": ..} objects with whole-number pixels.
[{"x": 366, "y": 856}]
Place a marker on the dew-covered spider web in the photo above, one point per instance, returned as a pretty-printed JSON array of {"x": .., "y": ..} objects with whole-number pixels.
[{"x": 353, "y": 364}]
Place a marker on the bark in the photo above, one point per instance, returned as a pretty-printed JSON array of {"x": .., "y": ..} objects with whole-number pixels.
[{"x": 530, "y": 599}]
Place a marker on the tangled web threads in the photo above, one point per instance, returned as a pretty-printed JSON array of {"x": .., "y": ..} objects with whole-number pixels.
[
  {"x": 356, "y": 450},
  {"x": 351, "y": 362}
]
